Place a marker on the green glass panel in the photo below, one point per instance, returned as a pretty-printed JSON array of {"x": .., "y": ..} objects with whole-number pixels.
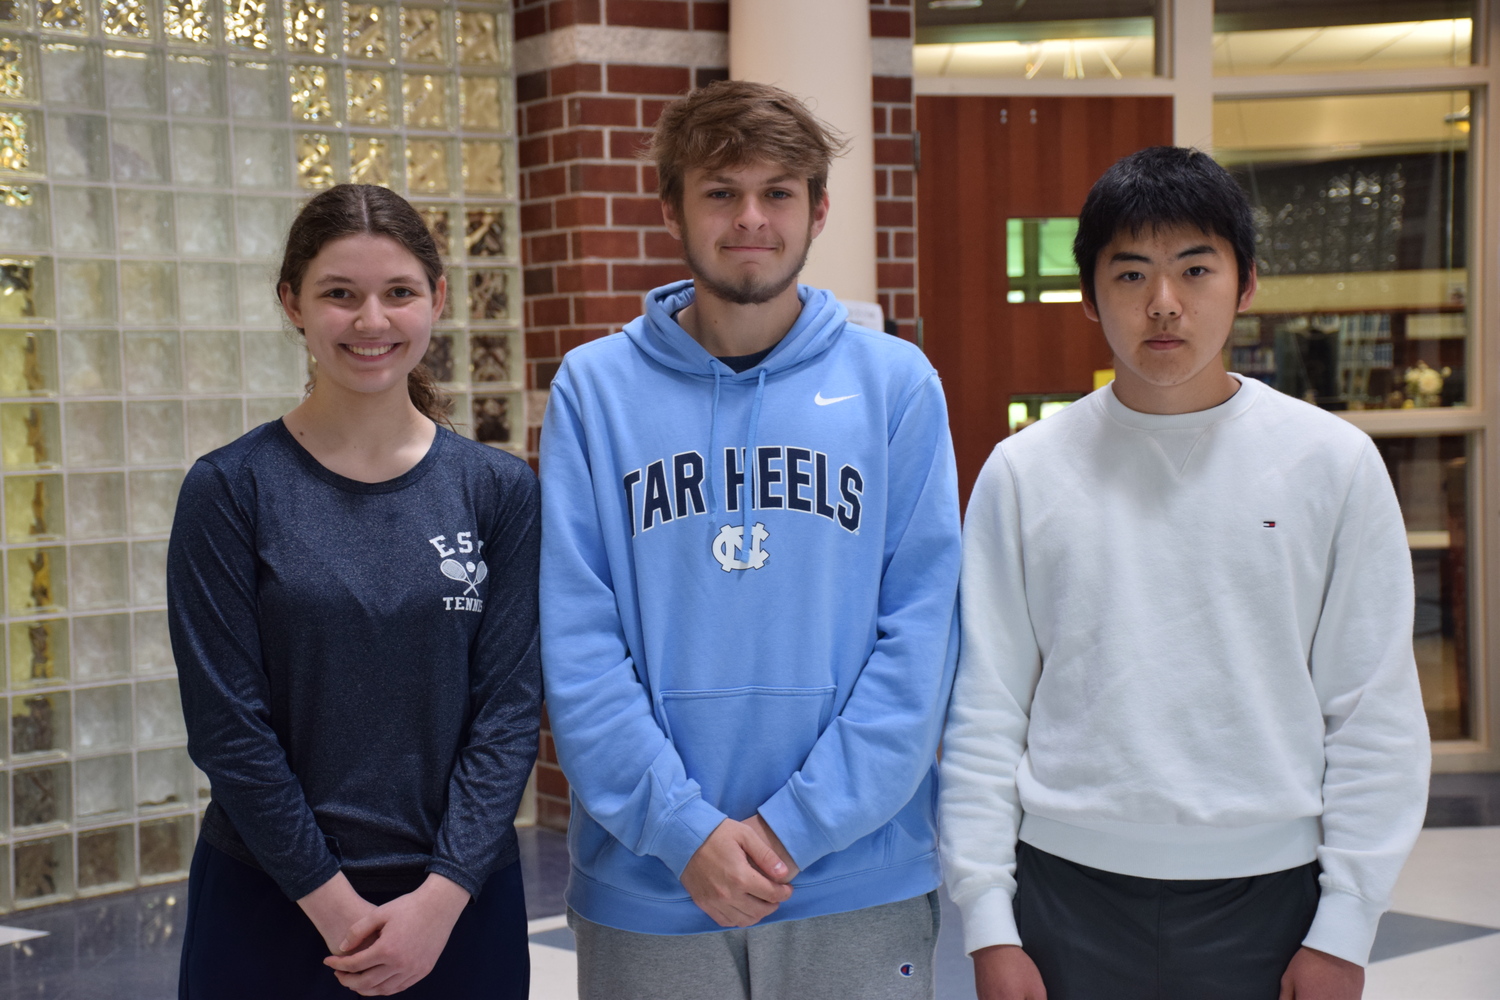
[
  {"x": 1057, "y": 247},
  {"x": 1015, "y": 249}
]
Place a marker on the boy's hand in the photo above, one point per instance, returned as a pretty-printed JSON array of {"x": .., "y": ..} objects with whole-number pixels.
[
  {"x": 1005, "y": 972},
  {"x": 767, "y": 834},
  {"x": 725, "y": 878},
  {"x": 403, "y": 939},
  {"x": 1317, "y": 975}
]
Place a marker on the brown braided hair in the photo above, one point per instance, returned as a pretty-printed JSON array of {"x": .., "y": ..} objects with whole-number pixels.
[{"x": 352, "y": 210}]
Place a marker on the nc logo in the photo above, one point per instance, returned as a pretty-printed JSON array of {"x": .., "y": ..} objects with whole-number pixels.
[{"x": 732, "y": 538}]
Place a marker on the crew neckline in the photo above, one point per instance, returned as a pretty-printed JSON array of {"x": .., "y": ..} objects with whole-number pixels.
[
  {"x": 744, "y": 362},
  {"x": 327, "y": 475},
  {"x": 1243, "y": 398}
]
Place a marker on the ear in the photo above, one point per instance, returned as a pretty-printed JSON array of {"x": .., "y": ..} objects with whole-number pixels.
[
  {"x": 1252, "y": 284},
  {"x": 289, "y": 304},
  {"x": 439, "y": 297},
  {"x": 1089, "y": 308},
  {"x": 671, "y": 215},
  {"x": 820, "y": 214}
]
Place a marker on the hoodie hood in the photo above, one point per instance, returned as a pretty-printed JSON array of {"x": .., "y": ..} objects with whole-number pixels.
[{"x": 659, "y": 336}]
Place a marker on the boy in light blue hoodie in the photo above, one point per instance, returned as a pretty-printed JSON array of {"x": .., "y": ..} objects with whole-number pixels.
[{"x": 750, "y": 566}]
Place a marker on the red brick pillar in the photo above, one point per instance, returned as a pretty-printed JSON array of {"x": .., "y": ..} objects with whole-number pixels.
[
  {"x": 891, "y": 28},
  {"x": 592, "y": 78}
]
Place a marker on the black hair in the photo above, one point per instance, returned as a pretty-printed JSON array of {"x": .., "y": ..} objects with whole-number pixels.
[{"x": 1164, "y": 186}]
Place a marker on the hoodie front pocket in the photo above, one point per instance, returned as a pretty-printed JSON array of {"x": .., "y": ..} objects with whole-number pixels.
[{"x": 742, "y": 744}]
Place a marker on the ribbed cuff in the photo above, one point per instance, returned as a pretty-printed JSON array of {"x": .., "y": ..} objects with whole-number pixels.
[
  {"x": 989, "y": 919},
  {"x": 298, "y": 886},
  {"x": 1344, "y": 926},
  {"x": 798, "y": 831},
  {"x": 456, "y": 875},
  {"x": 684, "y": 832}
]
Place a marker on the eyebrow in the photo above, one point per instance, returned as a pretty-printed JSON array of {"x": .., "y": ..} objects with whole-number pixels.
[
  {"x": 778, "y": 179},
  {"x": 1127, "y": 256},
  {"x": 339, "y": 279}
]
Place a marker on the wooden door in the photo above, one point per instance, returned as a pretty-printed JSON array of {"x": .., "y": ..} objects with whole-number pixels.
[{"x": 986, "y": 160}]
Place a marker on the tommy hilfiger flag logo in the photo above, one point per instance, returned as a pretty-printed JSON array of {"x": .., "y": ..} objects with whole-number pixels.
[{"x": 1268, "y": 524}]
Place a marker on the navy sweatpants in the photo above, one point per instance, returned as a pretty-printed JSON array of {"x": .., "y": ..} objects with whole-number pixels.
[
  {"x": 246, "y": 941},
  {"x": 1097, "y": 935}
]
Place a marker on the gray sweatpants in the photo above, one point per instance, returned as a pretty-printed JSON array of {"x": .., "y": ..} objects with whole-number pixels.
[{"x": 880, "y": 953}]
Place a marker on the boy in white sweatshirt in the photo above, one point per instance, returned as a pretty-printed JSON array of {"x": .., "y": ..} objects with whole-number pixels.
[{"x": 1186, "y": 755}]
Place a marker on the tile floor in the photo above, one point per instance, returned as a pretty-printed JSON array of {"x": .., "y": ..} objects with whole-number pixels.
[{"x": 1441, "y": 940}]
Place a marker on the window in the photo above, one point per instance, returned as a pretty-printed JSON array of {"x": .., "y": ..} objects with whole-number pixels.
[
  {"x": 1361, "y": 210},
  {"x": 1024, "y": 411},
  {"x": 1039, "y": 260},
  {"x": 1255, "y": 37},
  {"x": 1431, "y": 475},
  {"x": 1082, "y": 39}
]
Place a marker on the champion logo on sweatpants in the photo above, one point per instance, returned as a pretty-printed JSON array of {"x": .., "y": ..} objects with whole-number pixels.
[{"x": 907, "y": 969}]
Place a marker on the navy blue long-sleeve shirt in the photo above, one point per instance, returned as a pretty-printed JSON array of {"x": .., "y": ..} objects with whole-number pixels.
[{"x": 358, "y": 661}]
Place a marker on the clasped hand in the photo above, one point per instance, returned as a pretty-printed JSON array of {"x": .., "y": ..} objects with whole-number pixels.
[
  {"x": 738, "y": 875},
  {"x": 381, "y": 950}
]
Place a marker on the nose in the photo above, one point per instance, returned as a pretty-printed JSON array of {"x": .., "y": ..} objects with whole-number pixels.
[
  {"x": 1164, "y": 303},
  {"x": 371, "y": 317},
  {"x": 750, "y": 215}
]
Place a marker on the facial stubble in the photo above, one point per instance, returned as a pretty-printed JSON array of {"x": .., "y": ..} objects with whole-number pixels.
[{"x": 750, "y": 291}]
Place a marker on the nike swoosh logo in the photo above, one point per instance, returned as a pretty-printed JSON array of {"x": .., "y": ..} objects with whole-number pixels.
[{"x": 826, "y": 402}]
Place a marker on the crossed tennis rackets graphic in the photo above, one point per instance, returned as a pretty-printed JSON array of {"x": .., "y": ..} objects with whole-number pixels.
[{"x": 455, "y": 570}]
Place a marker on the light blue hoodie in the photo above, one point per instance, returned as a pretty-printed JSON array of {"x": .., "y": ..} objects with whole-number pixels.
[{"x": 706, "y": 658}]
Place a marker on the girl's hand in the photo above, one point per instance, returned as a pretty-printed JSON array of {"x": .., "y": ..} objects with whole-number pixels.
[
  {"x": 334, "y": 907},
  {"x": 398, "y": 943}
]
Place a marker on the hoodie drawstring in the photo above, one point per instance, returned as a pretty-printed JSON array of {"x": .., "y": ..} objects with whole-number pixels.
[
  {"x": 760, "y": 391},
  {"x": 713, "y": 448},
  {"x": 713, "y": 452}
]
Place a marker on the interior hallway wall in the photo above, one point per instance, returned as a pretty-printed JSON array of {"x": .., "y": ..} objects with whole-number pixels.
[{"x": 986, "y": 160}]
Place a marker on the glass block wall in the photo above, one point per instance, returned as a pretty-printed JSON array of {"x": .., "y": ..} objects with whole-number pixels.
[{"x": 152, "y": 154}]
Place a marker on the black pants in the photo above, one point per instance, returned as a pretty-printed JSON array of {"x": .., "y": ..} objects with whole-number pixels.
[
  {"x": 1096, "y": 935},
  {"x": 246, "y": 941}
]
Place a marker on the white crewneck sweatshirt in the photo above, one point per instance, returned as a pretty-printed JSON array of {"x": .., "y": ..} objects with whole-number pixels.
[{"x": 1186, "y": 655}]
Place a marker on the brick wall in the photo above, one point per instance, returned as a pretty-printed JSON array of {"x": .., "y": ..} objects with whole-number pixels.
[
  {"x": 592, "y": 236},
  {"x": 593, "y": 240},
  {"x": 895, "y": 171}
]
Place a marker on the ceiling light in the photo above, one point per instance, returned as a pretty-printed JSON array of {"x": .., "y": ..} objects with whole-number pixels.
[{"x": 953, "y": 4}]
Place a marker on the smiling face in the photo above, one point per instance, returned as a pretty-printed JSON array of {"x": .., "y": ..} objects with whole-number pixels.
[
  {"x": 1167, "y": 299},
  {"x": 745, "y": 230},
  {"x": 366, "y": 311}
]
